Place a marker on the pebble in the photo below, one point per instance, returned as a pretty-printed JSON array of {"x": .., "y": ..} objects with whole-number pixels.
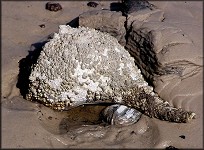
[
  {"x": 53, "y": 6},
  {"x": 92, "y": 4}
]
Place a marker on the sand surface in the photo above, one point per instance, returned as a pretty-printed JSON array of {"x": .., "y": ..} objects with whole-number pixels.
[{"x": 30, "y": 125}]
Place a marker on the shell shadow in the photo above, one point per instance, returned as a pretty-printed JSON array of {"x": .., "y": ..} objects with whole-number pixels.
[
  {"x": 26, "y": 63},
  {"x": 74, "y": 23}
]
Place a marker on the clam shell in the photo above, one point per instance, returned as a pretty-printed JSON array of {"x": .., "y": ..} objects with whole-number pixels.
[{"x": 120, "y": 115}]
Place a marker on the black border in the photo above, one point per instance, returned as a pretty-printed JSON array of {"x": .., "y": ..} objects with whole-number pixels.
[{"x": 74, "y": 0}]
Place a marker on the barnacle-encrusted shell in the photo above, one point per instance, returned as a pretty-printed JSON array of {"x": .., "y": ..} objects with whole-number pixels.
[
  {"x": 79, "y": 65},
  {"x": 82, "y": 65}
]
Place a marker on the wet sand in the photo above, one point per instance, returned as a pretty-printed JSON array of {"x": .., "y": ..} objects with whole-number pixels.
[{"x": 31, "y": 125}]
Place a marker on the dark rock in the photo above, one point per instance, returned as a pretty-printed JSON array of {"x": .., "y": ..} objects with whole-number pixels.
[
  {"x": 53, "y": 6},
  {"x": 182, "y": 136},
  {"x": 92, "y": 4},
  {"x": 116, "y": 6},
  {"x": 42, "y": 26},
  {"x": 171, "y": 147},
  {"x": 130, "y": 6}
]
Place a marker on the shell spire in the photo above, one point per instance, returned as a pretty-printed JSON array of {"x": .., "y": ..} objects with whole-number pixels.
[{"x": 154, "y": 106}]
